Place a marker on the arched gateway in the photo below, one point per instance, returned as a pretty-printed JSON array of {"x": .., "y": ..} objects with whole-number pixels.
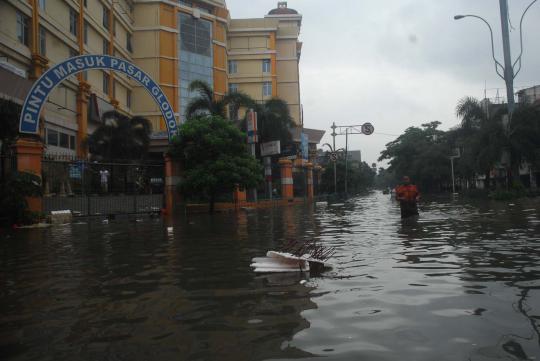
[{"x": 29, "y": 121}]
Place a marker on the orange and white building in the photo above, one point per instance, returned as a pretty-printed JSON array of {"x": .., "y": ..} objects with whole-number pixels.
[{"x": 175, "y": 42}]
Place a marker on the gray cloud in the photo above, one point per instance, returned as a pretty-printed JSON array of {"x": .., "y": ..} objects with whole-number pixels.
[{"x": 398, "y": 63}]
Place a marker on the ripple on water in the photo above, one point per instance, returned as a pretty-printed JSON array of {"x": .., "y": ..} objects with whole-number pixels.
[{"x": 459, "y": 283}]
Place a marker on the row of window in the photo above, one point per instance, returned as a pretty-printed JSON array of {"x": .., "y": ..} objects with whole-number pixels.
[
  {"x": 23, "y": 30},
  {"x": 266, "y": 88},
  {"x": 266, "y": 66},
  {"x": 106, "y": 82},
  {"x": 60, "y": 139}
]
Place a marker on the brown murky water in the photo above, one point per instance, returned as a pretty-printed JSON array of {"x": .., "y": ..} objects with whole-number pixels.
[{"x": 460, "y": 283}]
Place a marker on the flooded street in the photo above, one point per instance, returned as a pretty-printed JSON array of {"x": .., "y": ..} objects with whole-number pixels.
[{"x": 461, "y": 283}]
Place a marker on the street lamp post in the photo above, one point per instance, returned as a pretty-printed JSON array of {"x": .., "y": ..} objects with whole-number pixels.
[
  {"x": 333, "y": 150},
  {"x": 509, "y": 68}
]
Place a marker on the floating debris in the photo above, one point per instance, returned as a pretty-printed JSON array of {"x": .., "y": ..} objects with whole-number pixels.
[{"x": 297, "y": 256}]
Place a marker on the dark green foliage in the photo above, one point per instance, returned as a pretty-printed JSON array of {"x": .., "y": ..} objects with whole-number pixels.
[
  {"x": 485, "y": 142},
  {"x": 214, "y": 157},
  {"x": 421, "y": 153},
  {"x": 120, "y": 138},
  {"x": 13, "y": 205},
  {"x": 273, "y": 117},
  {"x": 386, "y": 179},
  {"x": 9, "y": 123},
  {"x": 207, "y": 104},
  {"x": 274, "y": 121},
  {"x": 360, "y": 176}
]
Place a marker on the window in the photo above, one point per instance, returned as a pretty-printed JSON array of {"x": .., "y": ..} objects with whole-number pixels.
[
  {"x": 42, "y": 40},
  {"x": 23, "y": 27},
  {"x": 267, "y": 89},
  {"x": 128, "y": 42},
  {"x": 114, "y": 27},
  {"x": 85, "y": 3},
  {"x": 266, "y": 67},
  {"x": 72, "y": 142},
  {"x": 233, "y": 88},
  {"x": 114, "y": 89},
  {"x": 73, "y": 21},
  {"x": 64, "y": 140},
  {"x": 128, "y": 98},
  {"x": 105, "y": 46},
  {"x": 233, "y": 66},
  {"x": 52, "y": 137},
  {"x": 105, "y": 83},
  {"x": 106, "y": 18},
  {"x": 41, "y": 4},
  {"x": 85, "y": 32}
]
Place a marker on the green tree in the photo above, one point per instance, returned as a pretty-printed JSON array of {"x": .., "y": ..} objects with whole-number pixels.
[
  {"x": 14, "y": 206},
  {"x": 274, "y": 121},
  {"x": 385, "y": 179},
  {"x": 9, "y": 123},
  {"x": 360, "y": 176},
  {"x": 120, "y": 138},
  {"x": 421, "y": 153},
  {"x": 214, "y": 157},
  {"x": 206, "y": 103},
  {"x": 487, "y": 142}
]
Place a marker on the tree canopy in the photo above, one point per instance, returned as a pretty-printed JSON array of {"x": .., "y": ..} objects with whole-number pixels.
[
  {"x": 120, "y": 138},
  {"x": 484, "y": 139},
  {"x": 421, "y": 153},
  {"x": 207, "y": 104},
  {"x": 214, "y": 157}
]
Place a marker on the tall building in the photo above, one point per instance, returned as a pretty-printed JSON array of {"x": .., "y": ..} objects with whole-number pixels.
[{"x": 175, "y": 42}]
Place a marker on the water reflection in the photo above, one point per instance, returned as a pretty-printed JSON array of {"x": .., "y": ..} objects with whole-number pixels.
[{"x": 459, "y": 283}]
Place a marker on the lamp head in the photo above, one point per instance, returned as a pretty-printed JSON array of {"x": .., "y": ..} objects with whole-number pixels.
[{"x": 459, "y": 17}]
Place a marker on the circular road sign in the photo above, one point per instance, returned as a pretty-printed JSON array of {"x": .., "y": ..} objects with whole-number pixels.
[
  {"x": 333, "y": 157},
  {"x": 367, "y": 128}
]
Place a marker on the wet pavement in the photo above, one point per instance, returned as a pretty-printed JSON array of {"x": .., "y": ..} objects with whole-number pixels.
[{"x": 460, "y": 283}]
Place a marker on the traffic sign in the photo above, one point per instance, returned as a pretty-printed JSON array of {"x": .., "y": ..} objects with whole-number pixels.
[
  {"x": 367, "y": 128},
  {"x": 333, "y": 157}
]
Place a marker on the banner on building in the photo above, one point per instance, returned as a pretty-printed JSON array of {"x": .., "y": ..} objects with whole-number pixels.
[{"x": 304, "y": 145}]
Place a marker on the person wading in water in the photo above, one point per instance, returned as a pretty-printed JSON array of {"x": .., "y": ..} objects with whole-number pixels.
[{"x": 407, "y": 194}]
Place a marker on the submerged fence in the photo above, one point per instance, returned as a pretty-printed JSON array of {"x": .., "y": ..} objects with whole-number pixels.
[{"x": 94, "y": 188}]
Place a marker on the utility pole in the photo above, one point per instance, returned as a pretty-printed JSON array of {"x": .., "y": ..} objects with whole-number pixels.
[
  {"x": 346, "y": 158},
  {"x": 333, "y": 150},
  {"x": 508, "y": 66}
]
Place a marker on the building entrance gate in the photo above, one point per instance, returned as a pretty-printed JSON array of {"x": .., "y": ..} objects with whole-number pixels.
[{"x": 30, "y": 151}]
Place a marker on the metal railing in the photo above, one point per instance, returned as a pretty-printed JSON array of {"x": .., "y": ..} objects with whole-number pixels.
[{"x": 93, "y": 188}]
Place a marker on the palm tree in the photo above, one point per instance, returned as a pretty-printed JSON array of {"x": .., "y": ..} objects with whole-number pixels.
[
  {"x": 207, "y": 103},
  {"x": 471, "y": 113},
  {"x": 274, "y": 121},
  {"x": 489, "y": 139},
  {"x": 120, "y": 138}
]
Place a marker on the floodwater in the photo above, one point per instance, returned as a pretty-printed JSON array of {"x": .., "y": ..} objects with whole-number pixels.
[{"x": 460, "y": 283}]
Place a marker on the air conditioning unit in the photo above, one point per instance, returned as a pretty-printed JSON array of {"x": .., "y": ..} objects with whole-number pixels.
[{"x": 196, "y": 13}]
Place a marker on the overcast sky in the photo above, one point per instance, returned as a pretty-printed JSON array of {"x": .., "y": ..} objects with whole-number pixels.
[{"x": 399, "y": 63}]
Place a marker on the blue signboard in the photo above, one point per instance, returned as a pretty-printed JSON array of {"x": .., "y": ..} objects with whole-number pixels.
[
  {"x": 29, "y": 121},
  {"x": 304, "y": 144},
  {"x": 76, "y": 170}
]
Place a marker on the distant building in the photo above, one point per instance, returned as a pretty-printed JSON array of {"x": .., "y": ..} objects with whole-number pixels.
[
  {"x": 529, "y": 95},
  {"x": 264, "y": 56},
  {"x": 355, "y": 156}
]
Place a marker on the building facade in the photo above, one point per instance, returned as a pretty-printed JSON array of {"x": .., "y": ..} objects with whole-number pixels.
[{"x": 175, "y": 42}]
